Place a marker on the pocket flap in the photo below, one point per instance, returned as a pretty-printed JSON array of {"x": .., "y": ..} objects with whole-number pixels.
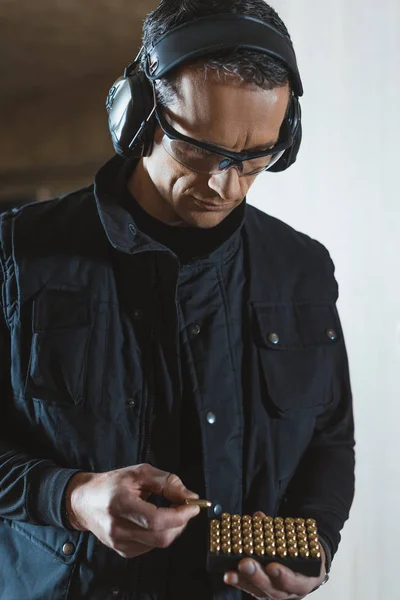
[
  {"x": 61, "y": 309},
  {"x": 296, "y": 326}
]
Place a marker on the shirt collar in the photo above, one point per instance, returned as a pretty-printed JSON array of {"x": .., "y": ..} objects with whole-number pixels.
[{"x": 121, "y": 229}]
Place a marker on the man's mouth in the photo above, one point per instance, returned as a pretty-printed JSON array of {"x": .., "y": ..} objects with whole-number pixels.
[{"x": 213, "y": 206}]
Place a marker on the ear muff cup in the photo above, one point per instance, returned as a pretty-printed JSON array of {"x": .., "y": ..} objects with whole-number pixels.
[
  {"x": 294, "y": 124},
  {"x": 130, "y": 102}
]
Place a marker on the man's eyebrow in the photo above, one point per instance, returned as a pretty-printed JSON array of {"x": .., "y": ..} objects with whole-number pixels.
[{"x": 258, "y": 148}]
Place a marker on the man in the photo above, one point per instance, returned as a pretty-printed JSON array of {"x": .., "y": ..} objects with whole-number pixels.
[{"x": 162, "y": 340}]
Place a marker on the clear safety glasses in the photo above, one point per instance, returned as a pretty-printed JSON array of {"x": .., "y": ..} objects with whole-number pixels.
[{"x": 209, "y": 159}]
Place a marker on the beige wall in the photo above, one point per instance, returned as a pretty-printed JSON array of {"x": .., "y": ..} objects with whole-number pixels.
[{"x": 344, "y": 191}]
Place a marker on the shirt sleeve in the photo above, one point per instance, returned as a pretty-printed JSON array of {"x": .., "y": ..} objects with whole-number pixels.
[
  {"x": 322, "y": 486},
  {"x": 32, "y": 488}
]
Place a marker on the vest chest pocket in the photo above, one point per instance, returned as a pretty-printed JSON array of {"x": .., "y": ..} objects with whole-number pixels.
[
  {"x": 62, "y": 323},
  {"x": 297, "y": 348}
]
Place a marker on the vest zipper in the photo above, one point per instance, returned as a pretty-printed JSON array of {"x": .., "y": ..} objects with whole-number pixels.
[{"x": 144, "y": 457}]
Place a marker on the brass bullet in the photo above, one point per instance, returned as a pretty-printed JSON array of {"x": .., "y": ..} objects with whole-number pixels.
[
  {"x": 270, "y": 550},
  {"x": 249, "y": 550},
  {"x": 246, "y": 518},
  {"x": 315, "y": 553},
  {"x": 304, "y": 553},
  {"x": 311, "y": 522},
  {"x": 237, "y": 549},
  {"x": 235, "y": 517},
  {"x": 299, "y": 521},
  {"x": 215, "y": 548},
  {"x": 281, "y": 551},
  {"x": 215, "y": 532},
  {"x": 226, "y": 517},
  {"x": 269, "y": 541},
  {"x": 227, "y": 549},
  {"x": 200, "y": 503},
  {"x": 236, "y": 533},
  {"x": 291, "y": 541},
  {"x": 260, "y": 550},
  {"x": 237, "y": 542},
  {"x": 269, "y": 532},
  {"x": 292, "y": 552},
  {"x": 313, "y": 544}
]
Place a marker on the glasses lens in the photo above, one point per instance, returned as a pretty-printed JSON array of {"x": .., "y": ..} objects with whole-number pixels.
[
  {"x": 204, "y": 161},
  {"x": 257, "y": 165},
  {"x": 191, "y": 156}
]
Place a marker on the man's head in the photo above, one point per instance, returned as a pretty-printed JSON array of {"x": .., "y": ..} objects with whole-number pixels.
[{"x": 235, "y": 100}]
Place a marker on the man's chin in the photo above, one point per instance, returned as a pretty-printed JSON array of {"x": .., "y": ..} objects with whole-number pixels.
[{"x": 203, "y": 221}]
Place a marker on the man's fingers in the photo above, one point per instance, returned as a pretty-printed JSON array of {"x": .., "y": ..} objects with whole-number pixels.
[
  {"x": 237, "y": 580},
  {"x": 162, "y": 483},
  {"x": 252, "y": 578},
  {"x": 150, "y": 517},
  {"x": 288, "y": 581},
  {"x": 176, "y": 491},
  {"x": 124, "y": 534}
]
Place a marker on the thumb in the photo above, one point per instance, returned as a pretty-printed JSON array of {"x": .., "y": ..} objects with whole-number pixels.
[{"x": 175, "y": 490}]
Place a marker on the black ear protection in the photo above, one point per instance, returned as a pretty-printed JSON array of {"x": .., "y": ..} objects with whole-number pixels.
[{"x": 131, "y": 101}]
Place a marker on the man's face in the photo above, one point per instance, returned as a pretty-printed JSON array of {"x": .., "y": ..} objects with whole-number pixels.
[{"x": 237, "y": 117}]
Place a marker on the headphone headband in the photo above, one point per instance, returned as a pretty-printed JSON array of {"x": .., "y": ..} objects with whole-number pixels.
[
  {"x": 131, "y": 103},
  {"x": 219, "y": 32}
]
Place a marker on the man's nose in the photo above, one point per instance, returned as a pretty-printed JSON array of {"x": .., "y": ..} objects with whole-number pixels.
[{"x": 227, "y": 184}]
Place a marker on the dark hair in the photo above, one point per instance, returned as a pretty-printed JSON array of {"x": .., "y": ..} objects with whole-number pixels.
[{"x": 247, "y": 66}]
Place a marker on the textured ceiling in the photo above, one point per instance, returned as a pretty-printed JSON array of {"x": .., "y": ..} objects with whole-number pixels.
[{"x": 47, "y": 44}]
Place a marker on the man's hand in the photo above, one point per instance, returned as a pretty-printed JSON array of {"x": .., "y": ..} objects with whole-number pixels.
[
  {"x": 113, "y": 507},
  {"x": 274, "y": 582}
]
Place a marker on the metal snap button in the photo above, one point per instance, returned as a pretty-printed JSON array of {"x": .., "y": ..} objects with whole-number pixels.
[
  {"x": 131, "y": 402},
  {"x": 217, "y": 510},
  {"x": 115, "y": 591},
  {"x": 332, "y": 335},
  {"x": 211, "y": 418},
  {"x": 273, "y": 338},
  {"x": 68, "y": 549},
  {"x": 194, "y": 329}
]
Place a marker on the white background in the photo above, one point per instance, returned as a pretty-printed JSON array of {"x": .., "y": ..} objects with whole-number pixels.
[{"x": 343, "y": 191}]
